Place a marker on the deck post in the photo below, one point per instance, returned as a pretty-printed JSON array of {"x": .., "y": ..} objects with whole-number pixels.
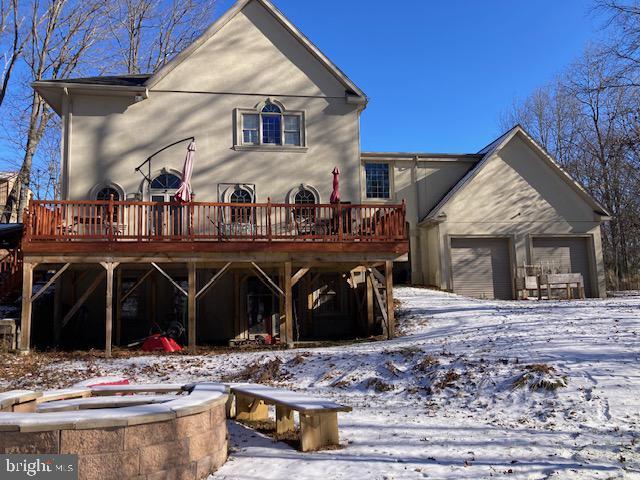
[
  {"x": 25, "y": 321},
  {"x": 391, "y": 321},
  {"x": 288, "y": 304},
  {"x": 118, "y": 306},
  {"x": 57, "y": 312},
  {"x": 369, "y": 295},
  {"x": 108, "y": 332},
  {"x": 192, "y": 306}
]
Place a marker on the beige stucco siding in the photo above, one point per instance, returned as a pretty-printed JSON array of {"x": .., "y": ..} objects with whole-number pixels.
[
  {"x": 517, "y": 195},
  {"x": 516, "y": 186},
  {"x": 110, "y": 138},
  {"x": 251, "y": 58},
  {"x": 421, "y": 184},
  {"x": 253, "y": 53}
]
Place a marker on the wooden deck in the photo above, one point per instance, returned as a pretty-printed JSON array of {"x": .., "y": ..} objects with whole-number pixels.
[
  {"x": 112, "y": 226},
  {"x": 289, "y": 240}
]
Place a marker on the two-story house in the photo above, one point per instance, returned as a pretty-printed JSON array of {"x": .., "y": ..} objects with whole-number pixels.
[{"x": 264, "y": 249}]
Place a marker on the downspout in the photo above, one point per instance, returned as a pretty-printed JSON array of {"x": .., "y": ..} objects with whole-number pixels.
[
  {"x": 67, "y": 115},
  {"x": 416, "y": 254}
]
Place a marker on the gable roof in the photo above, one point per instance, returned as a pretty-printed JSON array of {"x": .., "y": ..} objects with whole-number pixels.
[
  {"x": 491, "y": 150},
  {"x": 351, "y": 88}
]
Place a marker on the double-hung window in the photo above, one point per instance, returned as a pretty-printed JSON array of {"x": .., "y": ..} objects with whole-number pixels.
[
  {"x": 250, "y": 129},
  {"x": 271, "y": 126},
  {"x": 377, "y": 180}
]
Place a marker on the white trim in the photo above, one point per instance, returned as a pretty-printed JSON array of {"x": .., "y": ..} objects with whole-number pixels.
[
  {"x": 291, "y": 194},
  {"x": 108, "y": 184},
  {"x": 226, "y": 194},
  {"x": 391, "y": 196},
  {"x": 238, "y": 138},
  {"x": 145, "y": 186},
  {"x": 490, "y": 152},
  {"x": 226, "y": 18}
]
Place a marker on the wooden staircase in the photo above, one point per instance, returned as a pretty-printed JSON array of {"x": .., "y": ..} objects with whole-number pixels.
[
  {"x": 10, "y": 275},
  {"x": 378, "y": 285}
]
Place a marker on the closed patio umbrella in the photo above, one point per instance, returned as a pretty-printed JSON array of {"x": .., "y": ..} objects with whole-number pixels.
[
  {"x": 184, "y": 191},
  {"x": 335, "y": 195}
]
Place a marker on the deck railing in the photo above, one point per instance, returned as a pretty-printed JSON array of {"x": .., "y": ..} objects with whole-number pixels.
[
  {"x": 10, "y": 272},
  {"x": 133, "y": 221}
]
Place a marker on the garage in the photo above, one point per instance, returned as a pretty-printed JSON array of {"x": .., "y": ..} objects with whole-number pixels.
[
  {"x": 481, "y": 267},
  {"x": 564, "y": 255}
]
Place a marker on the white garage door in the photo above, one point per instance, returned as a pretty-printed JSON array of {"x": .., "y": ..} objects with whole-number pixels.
[
  {"x": 481, "y": 267},
  {"x": 564, "y": 255}
]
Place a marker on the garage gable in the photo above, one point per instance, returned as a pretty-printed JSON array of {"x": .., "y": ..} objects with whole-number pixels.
[{"x": 517, "y": 181}]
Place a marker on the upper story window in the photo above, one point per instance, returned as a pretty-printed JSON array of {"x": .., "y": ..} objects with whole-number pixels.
[
  {"x": 377, "y": 180},
  {"x": 271, "y": 126}
]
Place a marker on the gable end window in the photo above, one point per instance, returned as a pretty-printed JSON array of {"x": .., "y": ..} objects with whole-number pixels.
[
  {"x": 270, "y": 126},
  {"x": 377, "y": 180}
]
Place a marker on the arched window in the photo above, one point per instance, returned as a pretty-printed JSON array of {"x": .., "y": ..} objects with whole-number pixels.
[
  {"x": 240, "y": 195},
  {"x": 241, "y": 214},
  {"x": 271, "y": 108},
  {"x": 305, "y": 195},
  {"x": 166, "y": 181},
  {"x": 304, "y": 211},
  {"x": 104, "y": 194},
  {"x": 272, "y": 124}
]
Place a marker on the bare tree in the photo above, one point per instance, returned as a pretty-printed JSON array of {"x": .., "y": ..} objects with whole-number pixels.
[
  {"x": 623, "y": 22},
  {"x": 588, "y": 120},
  {"x": 147, "y": 33},
  {"x": 61, "y": 35},
  {"x": 12, "y": 42}
]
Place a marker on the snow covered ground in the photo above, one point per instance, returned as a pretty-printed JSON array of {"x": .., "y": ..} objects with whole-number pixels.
[{"x": 473, "y": 389}]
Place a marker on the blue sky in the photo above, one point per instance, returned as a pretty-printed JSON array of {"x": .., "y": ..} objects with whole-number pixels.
[{"x": 440, "y": 73}]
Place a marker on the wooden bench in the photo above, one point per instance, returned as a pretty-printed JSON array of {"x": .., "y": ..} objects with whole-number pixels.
[{"x": 318, "y": 417}]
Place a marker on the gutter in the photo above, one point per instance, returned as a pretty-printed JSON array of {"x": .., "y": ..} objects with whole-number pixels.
[{"x": 90, "y": 86}]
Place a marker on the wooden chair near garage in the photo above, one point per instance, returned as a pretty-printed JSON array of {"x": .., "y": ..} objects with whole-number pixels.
[{"x": 533, "y": 278}]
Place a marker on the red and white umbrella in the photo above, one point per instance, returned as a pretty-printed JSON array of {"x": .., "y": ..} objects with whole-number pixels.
[
  {"x": 335, "y": 195},
  {"x": 184, "y": 191}
]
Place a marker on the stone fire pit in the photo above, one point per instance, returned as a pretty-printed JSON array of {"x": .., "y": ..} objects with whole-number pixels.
[{"x": 122, "y": 432}]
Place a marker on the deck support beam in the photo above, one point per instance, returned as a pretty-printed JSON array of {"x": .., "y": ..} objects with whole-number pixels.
[
  {"x": 118, "y": 306},
  {"x": 391, "y": 321},
  {"x": 192, "y": 296},
  {"x": 136, "y": 285},
  {"x": 37, "y": 295},
  {"x": 96, "y": 281},
  {"x": 299, "y": 274},
  {"x": 168, "y": 277},
  {"x": 108, "y": 329},
  {"x": 288, "y": 305},
  {"x": 213, "y": 280},
  {"x": 369, "y": 295},
  {"x": 25, "y": 321},
  {"x": 266, "y": 279}
]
